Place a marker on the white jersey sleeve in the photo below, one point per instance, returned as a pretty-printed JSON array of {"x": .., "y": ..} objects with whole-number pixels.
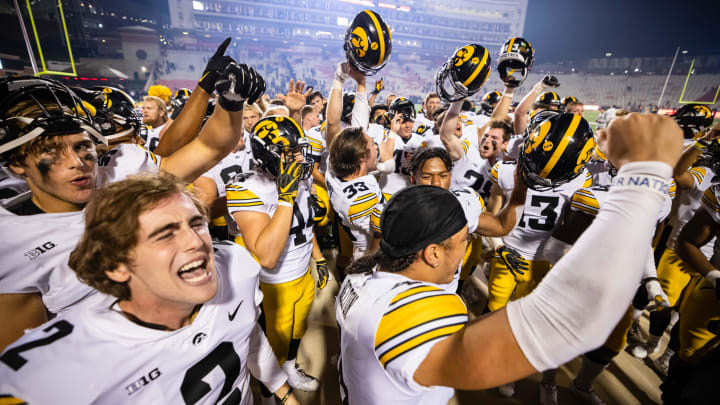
[
  {"x": 473, "y": 206},
  {"x": 204, "y": 362},
  {"x": 257, "y": 193},
  {"x": 318, "y": 147},
  {"x": 125, "y": 160},
  {"x": 388, "y": 325}
]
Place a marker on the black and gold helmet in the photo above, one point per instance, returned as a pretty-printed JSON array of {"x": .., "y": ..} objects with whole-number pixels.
[
  {"x": 404, "y": 107},
  {"x": 117, "y": 114},
  {"x": 36, "y": 106},
  {"x": 464, "y": 73},
  {"x": 489, "y": 101},
  {"x": 275, "y": 136},
  {"x": 710, "y": 157},
  {"x": 183, "y": 94},
  {"x": 549, "y": 100},
  {"x": 515, "y": 61},
  {"x": 693, "y": 118},
  {"x": 536, "y": 117},
  {"x": 567, "y": 100},
  {"x": 556, "y": 151},
  {"x": 368, "y": 43}
]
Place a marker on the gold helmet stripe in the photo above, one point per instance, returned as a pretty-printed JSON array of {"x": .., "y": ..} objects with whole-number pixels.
[
  {"x": 480, "y": 67},
  {"x": 381, "y": 38},
  {"x": 509, "y": 48},
  {"x": 562, "y": 146},
  {"x": 300, "y": 131}
]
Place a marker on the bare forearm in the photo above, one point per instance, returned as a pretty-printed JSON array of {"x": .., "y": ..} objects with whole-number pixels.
[
  {"x": 270, "y": 242},
  {"x": 334, "y": 110},
  {"x": 186, "y": 126},
  {"x": 499, "y": 224},
  {"x": 520, "y": 119},
  {"x": 501, "y": 109},
  {"x": 447, "y": 131}
]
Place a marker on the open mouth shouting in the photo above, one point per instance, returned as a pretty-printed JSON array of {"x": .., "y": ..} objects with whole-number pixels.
[{"x": 195, "y": 272}]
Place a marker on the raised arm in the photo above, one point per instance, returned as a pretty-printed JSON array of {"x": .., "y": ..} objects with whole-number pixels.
[
  {"x": 447, "y": 131},
  {"x": 335, "y": 100},
  {"x": 552, "y": 325},
  {"x": 520, "y": 120},
  {"x": 185, "y": 127},
  {"x": 295, "y": 98},
  {"x": 503, "y": 222},
  {"x": 224, "y": 128}
]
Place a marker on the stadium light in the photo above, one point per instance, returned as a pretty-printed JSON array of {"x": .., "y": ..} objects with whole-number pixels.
[
  {"x": 684, "y": 52},
  {"x": 198, "y": 5},
  {"x": 637, "y": 70},
  {"x": 626, "y": 72},
  {"x": 386, "y": 5},
  {"x": 608, "y": 54}
]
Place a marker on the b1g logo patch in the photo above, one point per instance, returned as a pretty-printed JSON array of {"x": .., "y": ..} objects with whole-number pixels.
[{"x": 37, "y": 251}]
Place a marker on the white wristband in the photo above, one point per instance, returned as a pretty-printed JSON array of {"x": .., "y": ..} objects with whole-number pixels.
[
  {"x": 713, "y": 276},
  {"x": 337, "y": 85}
]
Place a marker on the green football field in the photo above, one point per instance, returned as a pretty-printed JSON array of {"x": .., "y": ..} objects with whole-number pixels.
[{"x": 591, "y": 116}]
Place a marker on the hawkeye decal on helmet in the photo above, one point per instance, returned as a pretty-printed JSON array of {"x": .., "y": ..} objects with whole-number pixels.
[{"x": 464, "y": 73}]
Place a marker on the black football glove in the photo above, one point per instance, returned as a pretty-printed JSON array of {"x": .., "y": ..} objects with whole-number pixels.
[
  {"x": 319, "y": 210},
  {"x": 288, "y": 181},
  {"x": 215, "y": 66},
  {"x": 514, "y": 261},
  {"x": 551, "y": 81},
  {"x": 238, "y": 84},
  {"x": 323, "y": 273}
]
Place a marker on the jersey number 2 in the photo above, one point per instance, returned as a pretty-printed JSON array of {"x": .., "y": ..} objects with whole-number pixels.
[
  {"x": 13, "y": 358},
  {"x": 193, "y": 387}
]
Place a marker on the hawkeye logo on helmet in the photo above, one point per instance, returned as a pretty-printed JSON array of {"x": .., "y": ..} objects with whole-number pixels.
[
  {"x": 270, "y": 130},
  {"x": 360, "y": 42},
  {"x": 463, "y": 55}
]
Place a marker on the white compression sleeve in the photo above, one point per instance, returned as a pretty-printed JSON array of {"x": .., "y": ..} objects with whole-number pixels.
[
  {"x": 262, "y": 362},
  {"x": 576, "y": 306},
  {"x": 555, "y": 249}
]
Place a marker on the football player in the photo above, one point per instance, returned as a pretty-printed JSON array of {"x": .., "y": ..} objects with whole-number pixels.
[
  {"x": 700, "y": 308},
  {"x": 51, "y": 147},
  {"x": 155, "y": 116},
  {"x": 695, "y": 173},
  {"x": 425, "y": 117},
  {"x": 404, "y": 339},
  {"x": 433, "y": 166},
  {"x": 273, "y": 210},
  {"x": 173, "y": 309},
  {"x": 553, "y": 160}
]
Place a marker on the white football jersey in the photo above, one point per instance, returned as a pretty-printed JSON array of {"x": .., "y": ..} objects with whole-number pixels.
[
  {"x": 358, "y": 203},
  {"x": 422, "y": 125},
  {"x": 473, "y": 206},
  {"x": 97, "y": 355},
  {"x": 541, "y": 212},
  {"x": 472, "y": 171},
  {"x": 258, "y": 193},
  {"x": 690, "y": 200},
  {"x": 388, "y": 325},
  {"x": 231, "y": 168},
  {"x": 35, "y": 257},
  {"x": 153, "y": 137},
  {"x": 404, "y": 151}
]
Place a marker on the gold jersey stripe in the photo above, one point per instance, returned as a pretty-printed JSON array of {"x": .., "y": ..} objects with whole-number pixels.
[
  {"x": 10, "y": 400},
  {"x": 466, "y": 145},
  {"x": 413, "y": 291},
  {"x": 710, "y": 200},
  {"x": 240, "y": 194},
  {"x": 248, "y": 204},
  {"x": 418, "y": 312},
  {"x": 418, "y": 341},
  {"x": 562, "y": 146}
]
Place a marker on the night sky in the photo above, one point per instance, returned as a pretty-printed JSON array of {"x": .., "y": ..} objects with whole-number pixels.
[{"x": 579, "y": 29}]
